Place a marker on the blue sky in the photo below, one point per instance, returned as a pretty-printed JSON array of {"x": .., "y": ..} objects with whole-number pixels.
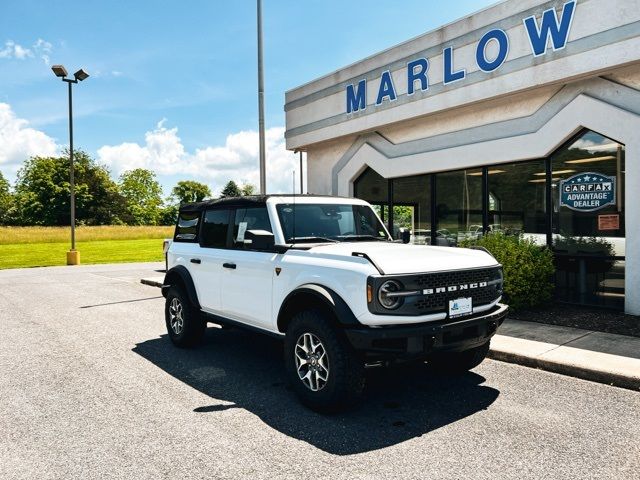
[{"x": 173, "y": 84}]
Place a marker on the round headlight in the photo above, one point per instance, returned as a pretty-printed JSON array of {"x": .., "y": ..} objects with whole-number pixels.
[{"x": 389, "y": 302}]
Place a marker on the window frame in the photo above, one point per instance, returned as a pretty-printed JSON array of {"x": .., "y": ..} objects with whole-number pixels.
[
  {"x": 196, "y": 239},
  {"x": 231, "y": 243},
  {"x": 229, "y": 230}
]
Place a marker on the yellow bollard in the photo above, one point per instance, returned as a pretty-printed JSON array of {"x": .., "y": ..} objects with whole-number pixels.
[{"x": 73, "y": 257}]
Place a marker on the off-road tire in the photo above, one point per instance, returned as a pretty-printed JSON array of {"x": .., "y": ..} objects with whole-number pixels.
[
  {"x": 193, "y": 326},
  {"x": 459, "y": 362},
  {"x": 345, "y": 379}
]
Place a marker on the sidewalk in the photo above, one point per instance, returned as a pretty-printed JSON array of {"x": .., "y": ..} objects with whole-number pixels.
[{"x": 599, "y": 357}]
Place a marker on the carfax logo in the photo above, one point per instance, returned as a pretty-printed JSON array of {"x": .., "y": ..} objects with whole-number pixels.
[{"x": 587, "y": 192}]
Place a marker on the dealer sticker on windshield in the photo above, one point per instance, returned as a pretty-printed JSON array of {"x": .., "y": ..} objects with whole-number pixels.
[{"x": 460, "y": 306}]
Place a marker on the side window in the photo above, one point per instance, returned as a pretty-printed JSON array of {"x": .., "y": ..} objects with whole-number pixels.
[
  {"x": 255, "y": 218},
  {"x": 187, "y": 227},
  {"x": 215, "y": 228}
]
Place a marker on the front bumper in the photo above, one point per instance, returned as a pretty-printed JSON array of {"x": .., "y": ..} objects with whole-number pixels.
[{"x": 424, "y": 339}]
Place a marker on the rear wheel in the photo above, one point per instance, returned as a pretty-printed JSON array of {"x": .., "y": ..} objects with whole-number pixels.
[
  {"x": 323, "y": 369},
  {"x": 459, "y": 362},
  {"x": 185, "y": 325}
]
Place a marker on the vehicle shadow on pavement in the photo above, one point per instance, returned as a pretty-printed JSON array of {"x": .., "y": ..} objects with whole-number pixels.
[{"x": 247, "y": 370}]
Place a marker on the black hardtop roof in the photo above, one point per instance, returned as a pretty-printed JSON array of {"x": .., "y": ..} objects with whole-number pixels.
[
  {"x": 246, "y": 201},
  {"x": 249, "y": 200}
]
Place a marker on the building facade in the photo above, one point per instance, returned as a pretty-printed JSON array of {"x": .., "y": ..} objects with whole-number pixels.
[{"x": 522, "y": 118}]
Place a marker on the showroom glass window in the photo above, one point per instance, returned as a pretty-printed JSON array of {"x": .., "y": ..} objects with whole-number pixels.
[
  {"x": 589, "y": 228},
  {"x": 589, "y": 153},
  {"x": 458, "y": 206},
  {"x": 373, "y": 188},
  {"x": 517, "y": 197},
  {"x": 412, "y": 207}
]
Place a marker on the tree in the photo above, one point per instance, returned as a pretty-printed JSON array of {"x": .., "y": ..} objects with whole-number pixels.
[
  {"x": 42, "y": 194},
  {"x": 143, "y": 196},
  {"x": 168, "y": 215},
  {"x": 6, "y": 201},
  {"x": 248, "y": 189},
  {"x": 187, "y": 191},
  {"x": 231, "y": 189}
]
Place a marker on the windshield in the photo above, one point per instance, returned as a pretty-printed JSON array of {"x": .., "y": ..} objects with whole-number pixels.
[{"x": 329, "y": 223}]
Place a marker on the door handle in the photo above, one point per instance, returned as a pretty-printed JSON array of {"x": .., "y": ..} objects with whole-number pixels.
[
  {"x": 196, "y": 260},
  {"x": 229, "y": 265}
]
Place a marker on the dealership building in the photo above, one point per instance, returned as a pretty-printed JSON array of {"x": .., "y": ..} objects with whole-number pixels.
[{"x": 523, "y": 118}]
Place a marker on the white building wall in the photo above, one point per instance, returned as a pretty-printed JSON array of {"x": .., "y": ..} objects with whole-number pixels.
[
  {"x": 525, "y": 110},
  {"x": 603, "y": 36},
  {"x": 484, "y": 113},
  {"x": 320, "y": 163}
]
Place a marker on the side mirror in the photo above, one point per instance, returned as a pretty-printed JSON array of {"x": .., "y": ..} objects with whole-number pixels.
[
  {"x": 405, "y": 235},
  {"x": 259, "y": 240}
]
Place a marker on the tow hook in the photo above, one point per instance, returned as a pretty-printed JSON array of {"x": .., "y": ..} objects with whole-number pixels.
[{"x": 491, "y": 328}]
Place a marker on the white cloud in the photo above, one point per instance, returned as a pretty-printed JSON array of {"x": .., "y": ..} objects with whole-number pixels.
[
  {"x": 18, "y": 141},
  {"x": 164, "y": 153},
  {"x": 14, "y": 50},
  {"x": 40, "y": 48}
]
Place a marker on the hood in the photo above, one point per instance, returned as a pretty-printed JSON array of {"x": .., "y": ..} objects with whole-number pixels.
[{"x": 398, "y": 258}]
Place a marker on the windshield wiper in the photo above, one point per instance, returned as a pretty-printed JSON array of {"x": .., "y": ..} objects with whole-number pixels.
[
  {"x": 311, "y": 239},
  {"x": 362, "y": 237}
]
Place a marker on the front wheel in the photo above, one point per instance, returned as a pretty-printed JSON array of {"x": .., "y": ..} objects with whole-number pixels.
[
  {"x": 323, "y": 369},
  {"x": 185, "y": 325},
  {"x": 459, "y": 362}
]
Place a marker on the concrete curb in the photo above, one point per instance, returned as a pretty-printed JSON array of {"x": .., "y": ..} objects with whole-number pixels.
[{"x": 595, "y": 366}]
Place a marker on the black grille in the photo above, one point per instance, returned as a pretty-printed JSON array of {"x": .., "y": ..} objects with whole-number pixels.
[
  {"x": 453, "y": 283},
  {"x": 480, "y": 295}
]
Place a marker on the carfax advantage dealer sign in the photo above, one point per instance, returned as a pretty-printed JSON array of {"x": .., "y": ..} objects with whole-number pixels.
[{"x": 587, "y": 192}]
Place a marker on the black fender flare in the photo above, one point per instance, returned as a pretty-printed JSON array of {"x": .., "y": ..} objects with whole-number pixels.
[
  {"x": 179, "y": 275},
  {"x": 310, "y": 294}
]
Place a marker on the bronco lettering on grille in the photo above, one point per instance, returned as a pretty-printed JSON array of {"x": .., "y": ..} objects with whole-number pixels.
[{"x": 454, "y": 288}]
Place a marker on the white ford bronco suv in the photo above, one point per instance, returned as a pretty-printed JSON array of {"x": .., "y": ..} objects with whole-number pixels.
[{"x": 324, "y": 274}]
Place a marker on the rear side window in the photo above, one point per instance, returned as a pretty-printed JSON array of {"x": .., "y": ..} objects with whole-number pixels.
[
  {"x": 215, "y": 228},
  {"x": 256, "y": 218},
  {"x": 187, "y": 227}
]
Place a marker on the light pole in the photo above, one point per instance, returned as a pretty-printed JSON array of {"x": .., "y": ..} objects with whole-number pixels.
[
  {"x": 73, "y": 256},
  {"x": 263, "y": 174}
]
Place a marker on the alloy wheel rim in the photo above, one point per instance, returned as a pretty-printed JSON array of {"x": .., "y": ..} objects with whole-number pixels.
[
  {"x": 176, "y": 318},
  {"x": 312, "y": 362}
]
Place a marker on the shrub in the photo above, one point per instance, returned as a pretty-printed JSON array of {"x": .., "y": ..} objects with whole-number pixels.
[
  {"x": 574, "y": 245},
  {"x": 528, "y": 268}
]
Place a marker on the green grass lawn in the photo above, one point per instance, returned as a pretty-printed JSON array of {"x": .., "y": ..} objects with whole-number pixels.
[
  {"x": 18, "y": 255},
  {"x": 11, "y": 235}
]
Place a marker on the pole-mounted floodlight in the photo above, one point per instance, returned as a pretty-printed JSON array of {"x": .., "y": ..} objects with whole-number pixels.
[
  {"x": 73, "y": 256},
  {"x": 81, "y": 75},
  {"x": 59, "y": 70}
]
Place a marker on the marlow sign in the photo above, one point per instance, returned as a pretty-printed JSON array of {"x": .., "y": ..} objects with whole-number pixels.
[
  {"x": 587, "y": 192},
  {"x": 550, "y": 27}
]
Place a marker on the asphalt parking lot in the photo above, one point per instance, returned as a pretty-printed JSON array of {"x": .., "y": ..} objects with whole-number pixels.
[{"x": 90, "y": 387}]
